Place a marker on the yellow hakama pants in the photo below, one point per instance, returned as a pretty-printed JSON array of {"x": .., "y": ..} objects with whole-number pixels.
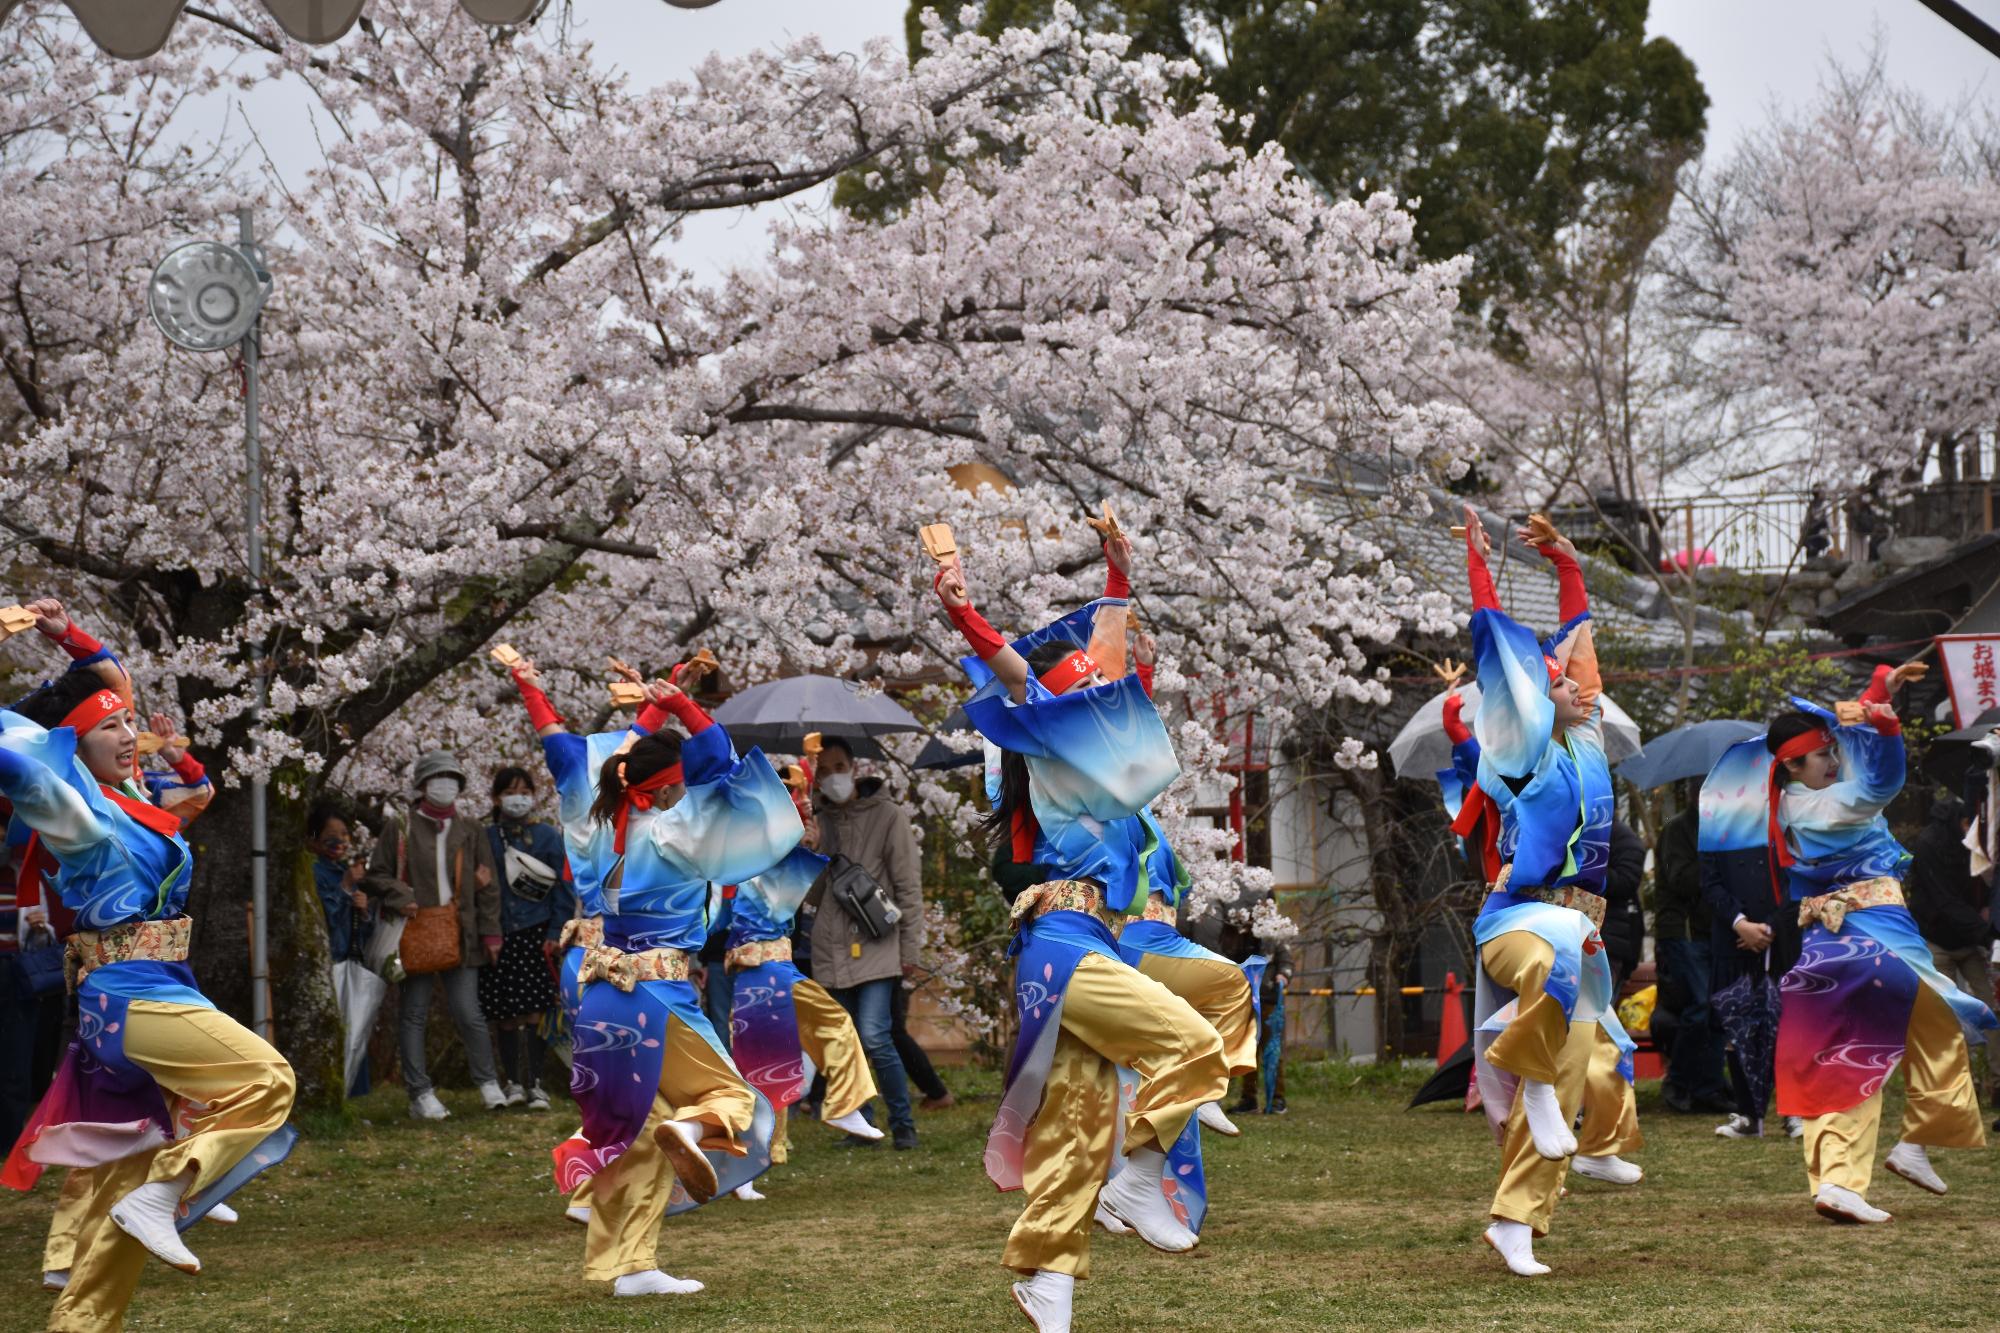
[
  {"x": 1610, "y": 1109},
  {"x": 1220, "y": 993},
  {"x": 629, "y": 1198},
  {"x": 240, "y": 1091},
  {"x": 1940, "y": 1108},
  {"x": 1111, "y": 1016},
  {"x": 1539, "y": 1043}
]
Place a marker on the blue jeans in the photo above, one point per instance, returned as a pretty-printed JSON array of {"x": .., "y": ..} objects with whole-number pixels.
[
  {"x": 1694, "y": 1068},
  {"x": 871, "y": 1004}
]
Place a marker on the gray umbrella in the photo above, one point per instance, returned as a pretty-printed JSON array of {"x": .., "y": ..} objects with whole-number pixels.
[
  {"x": 937, "y": 753},
  {"x": 779, "y": 713},
  {"x": 1422, "y": 750},
  {"x": 1685, "y": 752}
]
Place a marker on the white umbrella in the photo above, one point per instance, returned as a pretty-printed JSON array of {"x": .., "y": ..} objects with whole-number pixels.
[{"x": 1421, "y": 748}]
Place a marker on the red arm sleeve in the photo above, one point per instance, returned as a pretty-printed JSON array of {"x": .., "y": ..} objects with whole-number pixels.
[
  {"x": 690, "y": 714},
  {"x": 1115, "y": 582},
  {"x": 1144, "y": 671},
  {"x": 78, "y": 643},
  {"x": 1878, "y": 687},
  {"x": 1453, "y": 726},
  {"x": 1483, "y": 596},
  {"x": 1571, "y": 596},
  {"x": 189, "y": 769},
  {"x": 985, "y": 640},
  {"x": 541, "y": 712}
]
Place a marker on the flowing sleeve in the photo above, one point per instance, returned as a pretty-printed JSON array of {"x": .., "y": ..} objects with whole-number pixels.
[
  {"x": 779, "y": 891},
  {"x": 568, "y": 758},
  {"x": 1873, "y": 765},
  {"x": 1516, "y": 718},
  {"x": 39, "y": 774},
  {"x": 730, "y": 829},
  {"x": 1101, "y": 752}
]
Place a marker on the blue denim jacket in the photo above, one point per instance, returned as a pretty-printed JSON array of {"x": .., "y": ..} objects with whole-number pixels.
[{"x": 544, "y": 842}]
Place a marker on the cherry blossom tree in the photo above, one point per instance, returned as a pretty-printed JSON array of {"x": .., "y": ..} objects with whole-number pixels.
[
  {"x": 1847, "y": 258},
  {"x": 496, "y": 406}
]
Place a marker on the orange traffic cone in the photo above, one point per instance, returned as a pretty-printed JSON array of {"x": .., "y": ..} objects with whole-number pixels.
[{"x": 1451, "y": 1027}]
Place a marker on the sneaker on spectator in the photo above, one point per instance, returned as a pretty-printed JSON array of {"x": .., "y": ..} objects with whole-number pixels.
[
  {"x": 538, "y": 1098},
  {"x": 493, "y": 1098},
  {"x": 426, "y": 1106},
  {"x": 1739, "y": 1127},
  {"x": 1795, "y": 1128},
  {"x": 516, "y": 1094}
]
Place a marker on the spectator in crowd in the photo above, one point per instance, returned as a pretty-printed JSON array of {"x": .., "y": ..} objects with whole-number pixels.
[
  {"x": 1681, "y": 924},
  {"x": 1624, "y": 928},
  {"x": 916, "y": 1062},
  {"x": 858, "y": 822},
  {"x": 517, "y": 991},
  {"x": 433, "y": 858},
  {"x": 350, "y": 918},
  {"x": 1753, "y": 942},
  {"x": 19, "y": 1011},
  {"x": 1229, "y": 934},
  {"x": 1953, "y": 909},
  {"x": 337, "y": 875}
]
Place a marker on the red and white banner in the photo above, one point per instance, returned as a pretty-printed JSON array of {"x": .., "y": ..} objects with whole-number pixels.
[{"x": 1972, "y": 671}]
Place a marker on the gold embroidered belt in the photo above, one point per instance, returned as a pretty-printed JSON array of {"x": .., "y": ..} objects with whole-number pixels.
[
  {"x": 1158, "y": 909},
  {"x": 583, "y": 932},
  {"x": 1831, "y": 909},
  {"x": 1582, "y": 900},
  {"x": 624, "y": 970},
  {"x": 140, "y": 941},
  {"x": 757, "y": 953},
  {"x": 1061, "y": 895}
]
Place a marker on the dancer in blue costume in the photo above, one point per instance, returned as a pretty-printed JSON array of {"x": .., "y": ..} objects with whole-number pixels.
[
  {"x": 783, "y": 1023},
  {"x": 668, "y": 1121},
  {"x": 1544, "y": 985},
  {"x": 1084, "y": 754},
  {"x": 146, "y": 1035},
  {"x": 1610, "y": 1108},
  {"x": 1865, "y": 995}
]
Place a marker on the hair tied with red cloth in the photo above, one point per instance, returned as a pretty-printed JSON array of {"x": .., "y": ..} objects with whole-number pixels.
[
  {"x": 640, "y": 796},
  {"x": 1068, "y": 671},
  {"x": 1798, "y": 747},
  {"x": 103, "y": 704}
]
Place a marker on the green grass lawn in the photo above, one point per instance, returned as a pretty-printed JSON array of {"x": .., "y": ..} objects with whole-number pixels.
[{"x": 1346, "y": 1213}]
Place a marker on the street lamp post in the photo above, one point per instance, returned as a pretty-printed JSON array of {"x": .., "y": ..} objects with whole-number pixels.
[{"x": 207, "y": 297}]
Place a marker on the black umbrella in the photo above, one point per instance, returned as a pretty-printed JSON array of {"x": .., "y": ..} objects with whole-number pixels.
[
  {"x": 1685, "y": 752},
  {"x": 937, "y": 753},
  {"x": 778, "y": 714},
  {"x": 1748, "y": 1010},
  {"x": 1950, "y": 757},
  {"x": 1449, "y": 1083}
]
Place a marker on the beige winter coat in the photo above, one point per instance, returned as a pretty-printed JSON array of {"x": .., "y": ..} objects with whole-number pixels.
[{"x": 874, "y": 833}]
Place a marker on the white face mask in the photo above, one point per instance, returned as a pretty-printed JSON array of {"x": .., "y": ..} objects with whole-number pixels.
[
  {"x": 837, "y": 787},
  {"x": 441, "y": 792},
  {"x": 516, "y": 806}
]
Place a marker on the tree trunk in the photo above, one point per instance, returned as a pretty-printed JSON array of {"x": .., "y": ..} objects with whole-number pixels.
[{"x": 305, "y": 1018}]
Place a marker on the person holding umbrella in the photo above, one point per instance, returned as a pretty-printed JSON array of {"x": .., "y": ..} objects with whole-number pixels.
[{"x": 1543, "y": 986}]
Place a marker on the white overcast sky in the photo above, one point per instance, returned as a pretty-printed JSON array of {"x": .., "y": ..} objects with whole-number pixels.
[{"x": 1750, "y": 53}]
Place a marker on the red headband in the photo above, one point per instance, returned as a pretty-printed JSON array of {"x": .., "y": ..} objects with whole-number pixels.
[
  {"x": 639, "y": 796},
  {"x": 93, "y": 710},
  {"x": 1555, "y": 668},
  {"x": 1798, "y": 747},
  {"x": 1067, "y": 672}
]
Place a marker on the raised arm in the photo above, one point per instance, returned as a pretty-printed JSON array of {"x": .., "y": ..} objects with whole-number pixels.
[
  {"x": 190, "y": 791},
  {"x": 85, "y": 653},
  {"x": 1478, "y": 550},
  {"x": 1575, "y": 648},
  {"x": 542, "y": 714},
  {"x": 1107, "y": 630},
  {"x": 986, "y": 643}
]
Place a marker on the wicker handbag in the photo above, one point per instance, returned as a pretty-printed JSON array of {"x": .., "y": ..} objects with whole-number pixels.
[{"x": 430, "y": 938}]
